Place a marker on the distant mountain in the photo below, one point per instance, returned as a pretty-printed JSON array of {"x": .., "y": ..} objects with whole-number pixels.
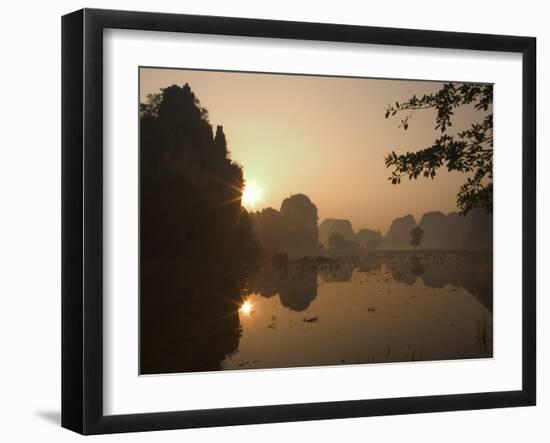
[
  {"x": 479, "y": 235},
  {"x": 436, "y": 230},
  {"x": 399, "y": 235},
  {"x": 331, "y": 226},
  {"x": 444, "y": 232},
  {"x": 299, "y": 224},
  {"x": 340, "y": 247},
  {"x": 369, "y": 239},
  {"x": 457, "y": 226},
  {"x": 292, "y": 230},
  {"x": 346, "y": 242}
]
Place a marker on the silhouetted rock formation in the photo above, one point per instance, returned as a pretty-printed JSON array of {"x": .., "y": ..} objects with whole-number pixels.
[
  {"x": 340, "y": 247},
  {"x": 399, "y": 235},
  {"x": 479, "y": 235},
  {"x": 299, "y": 217},
  {"x": 369, "y": 239},
  {"x": 443, "y": 232},
  {"x": 330, "y": 226},
  {"x": 456, "y": 228},
  {"x": 194, "y": 237},
  {"x": 456, "y": 232},
  {"x": 436, "y": 230},
  {"x": 190, "y": 188},
  {"x": 268, "y": 226},
  {"x": 292, "y": 230}
]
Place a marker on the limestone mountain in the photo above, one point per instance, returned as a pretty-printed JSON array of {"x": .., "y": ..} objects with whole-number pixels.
[{"x": 330, "y": 226}]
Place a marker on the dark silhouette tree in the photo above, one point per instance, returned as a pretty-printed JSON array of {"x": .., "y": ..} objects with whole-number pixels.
[
  {"x": 190, "y": 188},
  {"x": 469, "y": 151},
  {"x": 417, "y": 234}
]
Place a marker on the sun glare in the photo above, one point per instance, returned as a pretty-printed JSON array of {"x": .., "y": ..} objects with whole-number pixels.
[
  {"x": 252, "y": 194},
  {"x": 246, "y": 308}
]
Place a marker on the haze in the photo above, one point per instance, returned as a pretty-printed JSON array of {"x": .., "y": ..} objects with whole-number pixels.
[{"x": 325, "y": 137}]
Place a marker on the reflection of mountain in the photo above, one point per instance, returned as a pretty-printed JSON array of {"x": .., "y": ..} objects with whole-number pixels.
[
  {"x": 471, "y": 271},
  {"x": 188, "y": 316},
  {"x": 337, "y": 272},
  {"x": 299, "y": 289},
  {"x": 400, "y": 268},
  {"x": 296, "y": 284}
]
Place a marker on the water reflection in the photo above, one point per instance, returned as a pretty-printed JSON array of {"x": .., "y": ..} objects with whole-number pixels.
[
  {"x": 189, "y": 318},
  {"x": 384, "y": 308},
  {"x": 295, "y": 284}
]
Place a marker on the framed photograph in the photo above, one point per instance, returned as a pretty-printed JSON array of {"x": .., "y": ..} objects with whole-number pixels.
[{"x": 269, "y": 221}]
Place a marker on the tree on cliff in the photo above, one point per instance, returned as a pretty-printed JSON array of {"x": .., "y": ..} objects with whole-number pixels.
[
  {"x": 469, "y": 151},
  {"x": 190, "y": 188}
]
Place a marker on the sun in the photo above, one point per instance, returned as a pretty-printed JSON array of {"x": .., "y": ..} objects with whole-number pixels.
[
  {"x": 246, "y": 308},
  {"x": 252, "y": 194}
]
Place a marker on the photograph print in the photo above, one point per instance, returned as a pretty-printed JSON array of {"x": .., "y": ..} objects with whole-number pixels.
[{"x": 292, "y": 221}]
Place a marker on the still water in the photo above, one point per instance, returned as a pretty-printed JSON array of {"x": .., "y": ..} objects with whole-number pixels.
[{"x": 385, "y": 309}]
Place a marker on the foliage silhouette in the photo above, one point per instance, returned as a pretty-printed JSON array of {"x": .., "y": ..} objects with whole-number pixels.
[
  {"x": 190, "y": 188},
  {"x": 469, "y": 151}
]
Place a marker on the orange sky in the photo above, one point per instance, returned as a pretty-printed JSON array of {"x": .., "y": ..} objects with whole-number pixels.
[{"x": 325, "y": 137}]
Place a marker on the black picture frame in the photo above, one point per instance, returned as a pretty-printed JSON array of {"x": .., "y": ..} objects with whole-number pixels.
[{"x": 82, "y": 219}]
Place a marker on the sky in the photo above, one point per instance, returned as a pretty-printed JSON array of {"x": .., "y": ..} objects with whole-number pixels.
[{"x": 325, "y": 137}]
